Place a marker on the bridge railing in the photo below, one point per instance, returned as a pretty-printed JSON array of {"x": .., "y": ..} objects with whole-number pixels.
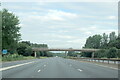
[{"x": 60, "y": 49}]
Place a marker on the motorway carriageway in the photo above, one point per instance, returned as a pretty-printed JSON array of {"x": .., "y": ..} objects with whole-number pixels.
[{"x": 56, "y": 67}]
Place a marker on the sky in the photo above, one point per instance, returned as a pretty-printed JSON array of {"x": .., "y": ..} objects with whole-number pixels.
[{"x": 64, "y": 24}]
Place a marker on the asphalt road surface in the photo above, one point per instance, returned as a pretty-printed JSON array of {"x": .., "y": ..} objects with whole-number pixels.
[{"x": 56, "y": 67}]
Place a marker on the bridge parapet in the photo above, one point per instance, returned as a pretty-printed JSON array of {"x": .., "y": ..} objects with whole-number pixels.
[{"x": 51, "y": 49}]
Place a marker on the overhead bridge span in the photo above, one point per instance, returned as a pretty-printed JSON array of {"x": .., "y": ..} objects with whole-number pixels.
[{"x": 48, "y": 49}]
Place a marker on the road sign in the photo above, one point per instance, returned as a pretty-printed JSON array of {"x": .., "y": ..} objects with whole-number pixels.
[{"x": 4, "y": 51}]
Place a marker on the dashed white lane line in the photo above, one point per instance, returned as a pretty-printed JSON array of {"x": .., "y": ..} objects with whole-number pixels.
[
  {"x": 1, "y": 69},
  {"x": 44, "y": 65},
  {"x": 79, "y": 70},
  {"x": 39, "y": 70}
]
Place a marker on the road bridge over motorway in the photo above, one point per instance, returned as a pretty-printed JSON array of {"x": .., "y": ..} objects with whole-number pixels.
[{"x": 58, "y": 49}]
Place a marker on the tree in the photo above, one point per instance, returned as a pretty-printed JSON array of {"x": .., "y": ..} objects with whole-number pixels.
[
  {"x": 10, "y": 31},
  {"x": 93, "y": 42},
  {"x": 86, "y": 54},
  {"x": 26, "y": 42},
  {"x": 39, "y": 45},
  {"x": 118, "y": 53},
  {"x": 104, "y": 40},
  {"x": 100, "y": 54},
  {"x": 0, "y": 30},
  {"x": 109, "y": 45},
  {"x": 112, "y": 53},
  {"x": 24, "y": 49},
  {"x": 112, "y": 36},
  {"x": 88, "y": 43},
  {"x": 115, "y": 43}
]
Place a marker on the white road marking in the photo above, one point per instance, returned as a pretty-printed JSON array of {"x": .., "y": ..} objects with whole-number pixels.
[
  {"x": 39, "y": 70},
  {"x": 79, "y": 70},
  {"x": 44, "y": 65},
  {"x": 107, "y": 67},
  {"x": 102, "y": 65},
  {"x": 5, "y": 68}
]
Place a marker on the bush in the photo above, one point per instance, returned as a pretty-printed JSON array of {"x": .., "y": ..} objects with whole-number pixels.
[
  {"x": 118, "y": 53},
  {"x": 112, "y": 53},
  {"x": 100, "y": 54},
  {"x": 12, "y": 57}
]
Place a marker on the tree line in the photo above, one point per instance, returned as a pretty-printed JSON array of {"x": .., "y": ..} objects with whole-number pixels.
[
  {"x": 25, "y": 49},
  {"x": 108, "y": 43},
  {"x": 11, "y": 37}
]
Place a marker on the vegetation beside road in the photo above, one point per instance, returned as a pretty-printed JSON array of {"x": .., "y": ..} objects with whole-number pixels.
[
  {"x": 109, "y": 45},
  {"x": 18, "y": 49},
  {"x": 12, "y": 42},
  {"x": 15, "y": 57}
]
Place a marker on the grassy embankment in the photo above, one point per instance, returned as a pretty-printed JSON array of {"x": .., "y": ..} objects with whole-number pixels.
[{"x": 15, "y": 57}]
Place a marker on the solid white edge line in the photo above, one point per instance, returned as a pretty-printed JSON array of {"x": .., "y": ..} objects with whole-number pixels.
[
  {"x": 103, "y": 66},
  {"x": 107, "y": 67},
  {"x": 5, "y": 68}
]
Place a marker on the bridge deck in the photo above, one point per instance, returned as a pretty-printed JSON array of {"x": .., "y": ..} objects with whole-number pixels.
[{"x": 82, "y": 50}]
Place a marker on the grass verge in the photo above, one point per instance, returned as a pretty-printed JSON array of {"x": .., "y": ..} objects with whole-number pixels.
[{"x": 15, "y": 57}]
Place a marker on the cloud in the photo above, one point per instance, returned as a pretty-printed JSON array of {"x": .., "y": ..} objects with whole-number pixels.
[
  {"x": 62, "y": 14},
  {"x": 53, "y": 40},
  {"x": 60, "y": 0},
  {"x": 64, "y": 24},
  {"x": 88, "y": 28},
  {"x": 58, "y": 15},
  {"x": 76, "y": 41},
  {"x": 54, "y": 15},
  {"x": 111, "y": 17},
  {"x": 95, "y": 29},
  {"x": 62, "y": 36},
  {"x": 88, "y": 33}
]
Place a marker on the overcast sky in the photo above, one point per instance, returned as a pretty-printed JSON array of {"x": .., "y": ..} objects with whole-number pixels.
[{"x": 64, "y": 24}]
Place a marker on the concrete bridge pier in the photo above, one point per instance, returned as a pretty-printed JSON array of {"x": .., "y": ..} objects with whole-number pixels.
[
  {"x": 93, "y": 53},
  {"x": 66, "y": 53},
  {"x": 35, "y": 54}
]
